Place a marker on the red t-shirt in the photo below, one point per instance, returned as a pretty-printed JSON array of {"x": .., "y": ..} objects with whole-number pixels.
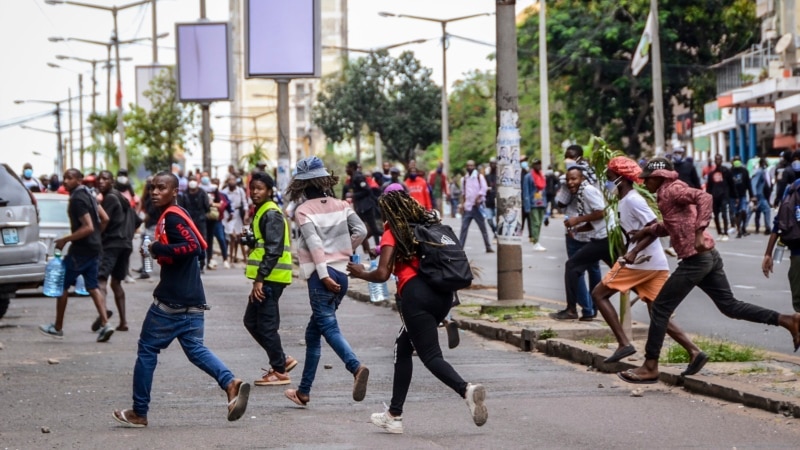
[{"x": 403, "y": 270}]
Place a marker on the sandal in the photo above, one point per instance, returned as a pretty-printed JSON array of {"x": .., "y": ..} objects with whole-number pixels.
[
  {"x": 620, "y": 353},
  {"x": 629, "y": 376},
  {"x": 238, "y": 405},
  {"x": 294, "y": 396},
  {"x": 125, "y": 421}
]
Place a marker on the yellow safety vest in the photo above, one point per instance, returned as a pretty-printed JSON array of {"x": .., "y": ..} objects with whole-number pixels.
[{"x": 282, "y": 272}]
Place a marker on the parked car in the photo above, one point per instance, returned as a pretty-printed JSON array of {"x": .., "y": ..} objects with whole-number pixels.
[
  {"x": 53, "y": 219},
  {"x": 22, "y": 255}
]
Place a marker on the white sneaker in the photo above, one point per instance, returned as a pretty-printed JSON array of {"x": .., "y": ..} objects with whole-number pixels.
[
  {"x": 724, "y": 238},
  {"x": 731, "y": 230},
  {"x": 391, "y": 424},
  {"x": 537, "y": 247},
  {"x": 226, "y": 264},
  {"x": 212, "y": 264},
  {"x": 475, "y": 396}
]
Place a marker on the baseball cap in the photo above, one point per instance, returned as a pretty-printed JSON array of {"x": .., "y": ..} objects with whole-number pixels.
[{"x": 656, "y": 167}]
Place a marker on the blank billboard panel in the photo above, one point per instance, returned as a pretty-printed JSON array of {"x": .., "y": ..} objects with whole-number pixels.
[
  {"x": 282, "y": 39},
  {"x": 203, "y": 67},
  {"x": 145, "y": 74}
]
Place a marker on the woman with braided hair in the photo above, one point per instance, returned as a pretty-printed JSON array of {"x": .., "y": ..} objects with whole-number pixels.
[{"x": 421, "y": 309}]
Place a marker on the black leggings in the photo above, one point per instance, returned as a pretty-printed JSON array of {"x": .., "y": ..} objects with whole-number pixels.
[{"x": 421, "y": 309}]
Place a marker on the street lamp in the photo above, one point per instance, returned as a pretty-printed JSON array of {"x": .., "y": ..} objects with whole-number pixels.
[
  {"x": 445, "y": 118},
  {"x": 93, "y": 62},
  {"x": 123, "y": 156}
]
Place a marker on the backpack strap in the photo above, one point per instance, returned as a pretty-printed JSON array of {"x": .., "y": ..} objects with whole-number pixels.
[{"x": 161, "y": 234}]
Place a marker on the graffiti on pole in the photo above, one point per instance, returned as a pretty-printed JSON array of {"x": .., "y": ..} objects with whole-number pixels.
[{"x": 509, "y": 195}]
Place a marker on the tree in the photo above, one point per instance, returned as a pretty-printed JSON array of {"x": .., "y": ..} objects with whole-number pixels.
[
  {"x": 103, "y": 129},
  {"x": 591, "y": 45},
  {"x": 472, "y": 119},
  {"x": 165, "y": 128},
  {"x": 392, "y": 96}
]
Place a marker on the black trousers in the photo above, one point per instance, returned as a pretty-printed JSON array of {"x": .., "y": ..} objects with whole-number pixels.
[
  {"x": 704, "y": 270},
  {"x": 421, "y": 309},
  {"x": 263, "y": 319},
  {"x": 370, "y": 219}
]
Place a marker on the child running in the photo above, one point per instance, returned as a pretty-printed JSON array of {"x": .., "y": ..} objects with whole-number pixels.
[
  {"x": 422, "y": 307},
  {"x": 269, "y": 265},
  {"x": 330, "y": 233},
  {"x": 643, "y": 268},
  {"x": 178, "y": 309},
  {"x": 686, "y": 213}
]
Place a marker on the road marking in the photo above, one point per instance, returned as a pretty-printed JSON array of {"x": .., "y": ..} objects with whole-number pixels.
[{"x": 741, "y": 286}]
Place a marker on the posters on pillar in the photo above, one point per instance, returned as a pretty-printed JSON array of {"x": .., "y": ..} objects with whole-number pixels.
[
  {"x": 509, "y": 198},
  {"x": 284, "y": 173}
]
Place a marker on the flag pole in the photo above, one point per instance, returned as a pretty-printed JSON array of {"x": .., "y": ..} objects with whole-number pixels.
[{"x": 658, "y": 92}]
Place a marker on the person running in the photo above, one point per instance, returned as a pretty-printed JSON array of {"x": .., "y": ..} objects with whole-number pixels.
[
  {"x": 270, "y": 267},
  {"x": 363, "y": 202},
  {"x": 720, "y": 185},
  {"x": 330, "y": 232},
  {"x": 117, "y": 246},
  {"x": 422, "y": 307},
  {"x": 178, "y": 309},
  {"x": 643, "y": 269},
  {"x": 473, "y": 192},
  {"x": 686, "y": 213},
  {"x": 87, "y": 221}
]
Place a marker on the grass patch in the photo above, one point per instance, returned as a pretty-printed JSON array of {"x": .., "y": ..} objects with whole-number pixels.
[
  {"x": 547, "y": 333},
  {"x": 515, "y": 312},
  {"x": 717, "y": 351},
  {"x": 755, "y": 369},
  {"x": 599, "y": 342}
]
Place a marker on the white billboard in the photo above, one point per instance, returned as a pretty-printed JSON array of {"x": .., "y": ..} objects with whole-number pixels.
[
  {"x": 283, "y": 39},
  {"x": 144, "y": 74},
  {"x": 203, "y": 56}
]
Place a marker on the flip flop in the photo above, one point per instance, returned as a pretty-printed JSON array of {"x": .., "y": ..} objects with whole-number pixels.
[
  {"x": 621, "y": 352},
  {"x": 238, "y": 405},
  {"x": 123, "y": 420},
  {"x": 699, "y": 361},
  {"x": 629, "y": 376},
  {"x": 291, "y": 394}
]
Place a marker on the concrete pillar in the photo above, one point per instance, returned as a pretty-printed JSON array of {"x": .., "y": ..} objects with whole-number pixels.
[{"x": 752, "y": 134}]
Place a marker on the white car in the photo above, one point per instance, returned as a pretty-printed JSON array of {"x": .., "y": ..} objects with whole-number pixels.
[{"x": 53, "y": 219}]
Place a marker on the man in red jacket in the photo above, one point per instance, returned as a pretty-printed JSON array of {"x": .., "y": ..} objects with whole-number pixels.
[{"x": 440, "y": 187}]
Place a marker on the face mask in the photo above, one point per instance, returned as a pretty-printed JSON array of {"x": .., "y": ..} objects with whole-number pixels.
[
  {"x": 796, "y": 166},
  {"x": 524, "y": 165},
  {"x": 27, "y": 173},
  {"x": 412, "y": 176},
  {"x": 122, "y": 180},
  {"x": 611, "y": 185},
  {"x": 205, "y": 180},
  {"x": 193, "y": 184},
  {"x": 737, "y": 163},
  {"x": 677, "y": 158},
  {"x": 488, "y": 170}
]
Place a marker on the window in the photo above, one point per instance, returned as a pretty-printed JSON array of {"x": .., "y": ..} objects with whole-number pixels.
[
  {"x": 301, "y": 113},
  {"x": 13, "y": 192},
  {"x": 300, "y": 91}
]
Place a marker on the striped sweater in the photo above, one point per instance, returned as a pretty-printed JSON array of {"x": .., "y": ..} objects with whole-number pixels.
[{"x": 330, "y": 232}]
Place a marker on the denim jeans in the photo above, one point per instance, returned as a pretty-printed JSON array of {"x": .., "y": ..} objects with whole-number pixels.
[
  {"x": 469, "y": 216},
  {"x": 158, "y": 331},
  {"x": 582, "y": 293},
  {"x": 704, "y": 270},
  {"x": 262, "y": 319},
  {"x": 215, "y": 229},
  {"x": 762, "y": 207},
  {"x": 324, "y": 304}
]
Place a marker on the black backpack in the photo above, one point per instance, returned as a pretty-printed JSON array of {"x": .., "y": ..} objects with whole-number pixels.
[
  {"x": 443, "y": 264},
  {"x": 789, "y": 218}
]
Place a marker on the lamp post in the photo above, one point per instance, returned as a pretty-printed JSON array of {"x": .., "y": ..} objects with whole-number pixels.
[
  {"x": 80, "y": 116},
  {"x": 445, "y": 117},
  {"x": 57, "y": 112},
  {"x": 123, "y": 157}
]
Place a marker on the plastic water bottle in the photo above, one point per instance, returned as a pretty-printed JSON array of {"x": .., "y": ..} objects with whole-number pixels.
[
  {"x": 80, "y": 286},
  {"x": 777, "y": 255},
  {"x": 148, "y": 260},
  {"x": 54, "y": 276},
  {"x": 378, "y": 292}
]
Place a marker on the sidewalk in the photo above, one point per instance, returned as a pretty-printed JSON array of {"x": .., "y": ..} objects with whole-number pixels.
[{"x": 772, "y": 384}]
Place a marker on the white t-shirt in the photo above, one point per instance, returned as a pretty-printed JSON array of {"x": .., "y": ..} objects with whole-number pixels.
[
  {"x": 593, "y": 200},
  {"x": 634, "y": 214}
]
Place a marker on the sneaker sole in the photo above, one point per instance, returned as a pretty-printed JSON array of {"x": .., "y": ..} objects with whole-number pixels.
[
  {"x": 104, "y": 337},
  {"x": 291, "y": 366},
  {"x": 99, "y": 323},
  {"x": 480, "y": 414},
  {"x": 386, "y": 427},
  {"x": 272, "y": 383},
  {"x": 360, "y": 385}
]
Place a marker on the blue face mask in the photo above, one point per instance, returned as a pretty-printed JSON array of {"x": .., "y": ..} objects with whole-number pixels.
[
  {"x": 205, "y": 181},
  {"x": 796, "y": 166},
  {"x": 524, "y": 165},
  {"x": 27, "y": 173},
  {"x": 611, "y": 185}
]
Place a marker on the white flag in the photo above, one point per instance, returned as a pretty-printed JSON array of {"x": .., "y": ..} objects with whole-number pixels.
[{"x": 642, "y": 54}]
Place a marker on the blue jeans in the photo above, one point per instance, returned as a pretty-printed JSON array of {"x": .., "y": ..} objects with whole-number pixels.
[
  {"x": 582, "y": 293},
  {"x": 215, "y": 229},
  {"x": 324, "y": 304},
  {"x": 158, "y": 331},
  {"x": 762, "y": 207}
]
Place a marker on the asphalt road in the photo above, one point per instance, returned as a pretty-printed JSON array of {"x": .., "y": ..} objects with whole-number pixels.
[
  {"x": 543, "y": 277},
  {"x": 534, "y": 401}
]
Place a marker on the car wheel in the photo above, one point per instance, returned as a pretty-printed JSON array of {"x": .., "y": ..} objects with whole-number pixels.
[{"x": 4, "y": 300}]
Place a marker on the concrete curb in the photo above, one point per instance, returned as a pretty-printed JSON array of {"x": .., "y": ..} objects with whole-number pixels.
[{"x": 568, "y": 346}]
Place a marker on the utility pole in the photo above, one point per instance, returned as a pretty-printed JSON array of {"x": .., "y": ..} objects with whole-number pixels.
[
  {"x": 509, "y": 199},
  {"x": 658, "y": 92},
  {"x": 60, "y": 156},
  {"x": 204, "y": 107},
  {"x": 69, "y": 121},
  {"x": 80, "y": 114},
  {"x": 544, "y": 89},
  {"x": 283, "y": 134}
]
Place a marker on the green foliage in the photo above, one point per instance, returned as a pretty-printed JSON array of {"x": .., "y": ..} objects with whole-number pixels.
[
  {"x": 166, "y": 128},
  {"x": 392, "y": 96},
  {"x": 547, "y": 333},
  {"x": 103, "y": 128},
  {"x": 601, "y": 154},
  {"x": 471, "y": 110},
  {"x": 258, "y": 154},
  {"x": 590, "y": 45},
  {"x": 717, "y": 351}
]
